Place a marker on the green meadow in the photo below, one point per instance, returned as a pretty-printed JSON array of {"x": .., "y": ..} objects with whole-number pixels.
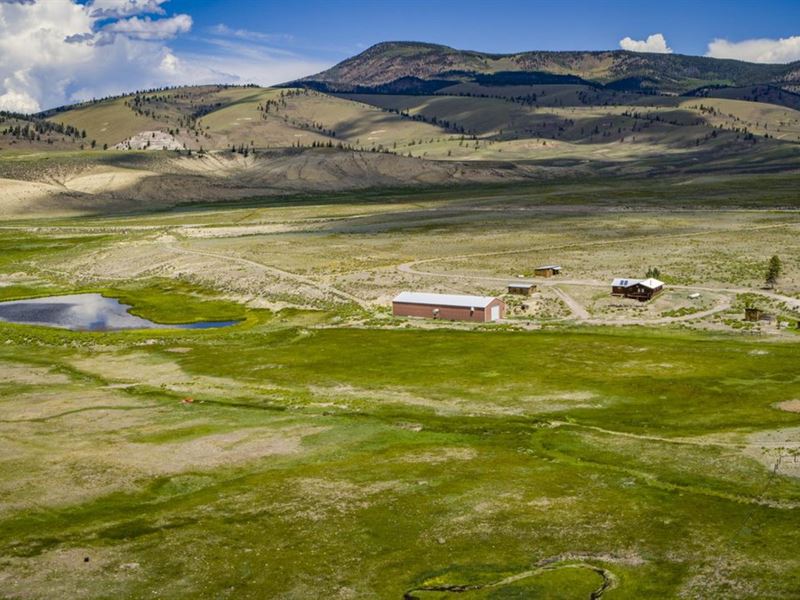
[
  {"x": 333, "y": 462},
  {"x": 320, "y": 448}
]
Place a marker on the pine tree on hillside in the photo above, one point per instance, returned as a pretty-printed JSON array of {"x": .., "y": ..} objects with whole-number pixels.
[{"x": 773, "y": 271}]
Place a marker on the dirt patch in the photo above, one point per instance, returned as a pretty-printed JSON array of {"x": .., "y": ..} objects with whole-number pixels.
[
  {"x": 65, "y": 573},
  {"x": 30, "y": 375},
  {"x": 106, "y": 179},
  {"x": 442, "y": 455},
  {"x": 132, "y": 368},
  {"x": 558, "y": 402},
  {"x": 211, "y": 451},
  {"x": 778, "y": 450},
  {"x": 789, "y": 406},
  {"x": 23, "y": 197},
  {"x": 318, "y": 498},
  {"x": 387, "y": 396},
  {"x": 48, "y": 404},
  {"x": 236, "y": 231}
]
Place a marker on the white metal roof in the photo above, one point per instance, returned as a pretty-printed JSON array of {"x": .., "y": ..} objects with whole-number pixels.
[
  {"x": 444, "y": 299},
  {"x": 554, "y": 267},
  {"x": 648, "y": 283},
  {"x": 651, "y": 283}
]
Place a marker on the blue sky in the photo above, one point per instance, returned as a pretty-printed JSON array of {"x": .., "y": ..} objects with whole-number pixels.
[
  {"x": 335, "y": 29},
  {"x": 55, "y": 52}
]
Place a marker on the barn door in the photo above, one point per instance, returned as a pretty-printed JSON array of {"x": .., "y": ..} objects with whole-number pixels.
[{"x": 495, "y": 312}]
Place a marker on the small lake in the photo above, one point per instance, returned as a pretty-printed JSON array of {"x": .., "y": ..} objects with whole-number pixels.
[{"x": 87, "y": 312}]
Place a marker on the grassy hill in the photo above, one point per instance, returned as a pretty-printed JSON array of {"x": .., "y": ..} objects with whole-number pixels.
[
  {"x": 399, "y": 111},
  {"x": 219, "y": 117}
]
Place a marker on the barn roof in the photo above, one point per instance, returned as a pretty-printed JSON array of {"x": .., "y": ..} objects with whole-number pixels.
[{"x": 444, "y": 299}]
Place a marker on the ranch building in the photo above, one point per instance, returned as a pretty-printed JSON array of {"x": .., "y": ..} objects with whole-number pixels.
[
  {"x": 547, "y": 270},
  {"x": 450, "y": 307},
  {"x": 753, "y": 314},
  {"x": 639, "y": 289},
  {"x": 521, "y": 289}
]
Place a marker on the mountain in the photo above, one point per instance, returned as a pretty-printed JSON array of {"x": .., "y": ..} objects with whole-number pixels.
[
  {"x": 421, "y": 67},
  {"x": 406, "y": 114}
]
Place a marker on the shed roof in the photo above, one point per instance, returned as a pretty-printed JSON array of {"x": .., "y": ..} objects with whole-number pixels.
[
  {"x": 444, "y": 299},
  {"x": 521, "y": 284},
  {"x": 554, "y": 267}
]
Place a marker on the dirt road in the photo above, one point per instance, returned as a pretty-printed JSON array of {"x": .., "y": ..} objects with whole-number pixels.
[{"x": 275, "y": 271}]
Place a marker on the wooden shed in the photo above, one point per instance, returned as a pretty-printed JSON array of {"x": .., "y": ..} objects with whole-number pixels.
[
  {"x": 521, "y": 288},
  {"x": 451, "y": 307},
  {"x": 639, "y": 289},
  {"x": 547, "y": 270},
  {"x": 752, "y": 313}
]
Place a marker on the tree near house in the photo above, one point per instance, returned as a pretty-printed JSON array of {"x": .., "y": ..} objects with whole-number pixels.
[{"x": 773, "y": 271}]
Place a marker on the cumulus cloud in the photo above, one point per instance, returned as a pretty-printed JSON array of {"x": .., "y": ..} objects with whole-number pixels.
[
  {"x": 783, "y": 50},
  {"x": 654, "y": 43},
  {"x": 149, "y": 29},
  {"x": 114, "y": 9},
  {"x": 56, "y": 52}
]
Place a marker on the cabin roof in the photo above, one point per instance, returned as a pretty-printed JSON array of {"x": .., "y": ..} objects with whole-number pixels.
[{"x": 626, "y": 282}]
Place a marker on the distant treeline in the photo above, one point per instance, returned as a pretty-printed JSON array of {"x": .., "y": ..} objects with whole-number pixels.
[
  {"x": 33, "y": 128},
  {"x": 218, "y": 87}
]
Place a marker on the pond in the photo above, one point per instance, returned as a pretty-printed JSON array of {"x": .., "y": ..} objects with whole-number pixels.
[{"x": 87, "y": 312}]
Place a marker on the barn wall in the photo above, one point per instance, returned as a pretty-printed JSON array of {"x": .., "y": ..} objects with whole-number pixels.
[{"x": 447, "y": 313}]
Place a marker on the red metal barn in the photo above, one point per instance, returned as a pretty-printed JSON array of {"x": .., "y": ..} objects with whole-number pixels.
[{"x": 449, "y": 307}]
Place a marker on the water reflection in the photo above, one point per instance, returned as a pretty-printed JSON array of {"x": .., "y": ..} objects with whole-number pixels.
[{"x": 86, "y": 312}]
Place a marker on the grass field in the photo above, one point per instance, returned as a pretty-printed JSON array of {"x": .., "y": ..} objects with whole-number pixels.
[{"x": 322, "y": 449}]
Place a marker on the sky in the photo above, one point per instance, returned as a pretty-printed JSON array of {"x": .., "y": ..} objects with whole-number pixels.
[{"x": 55, "y": 52}]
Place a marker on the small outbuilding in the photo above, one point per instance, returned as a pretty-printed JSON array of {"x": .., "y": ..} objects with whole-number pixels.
[
  {"x": 752, "y": 313},
  {"x": 547, "y": 270},
  {"x": 521, "y": 288},
  {"x": 451, "y": 307},
  {"x": 638, "y": 289}
]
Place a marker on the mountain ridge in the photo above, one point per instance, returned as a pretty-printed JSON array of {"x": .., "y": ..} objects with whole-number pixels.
[{"x": 385, "y": 63}]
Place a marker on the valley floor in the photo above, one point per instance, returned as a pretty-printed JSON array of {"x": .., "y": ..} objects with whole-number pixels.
[{"x": 586, "y": 447}]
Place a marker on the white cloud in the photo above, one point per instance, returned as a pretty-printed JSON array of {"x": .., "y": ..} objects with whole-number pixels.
[
  {"x": 783, "y": 50},
  {"x": 56, "y": 52},
  {"x": 245, "y": 34},
  {"x": 654, "y": 43},
  {"x": 105, "y": 9},
  {"x": 148, "y": 29}
]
